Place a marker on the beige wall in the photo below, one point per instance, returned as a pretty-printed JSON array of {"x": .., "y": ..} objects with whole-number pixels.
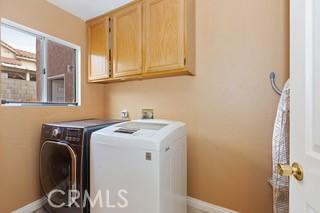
[
  {"x": 229, "y": 106},
  {"x": 20, "y": 126}
]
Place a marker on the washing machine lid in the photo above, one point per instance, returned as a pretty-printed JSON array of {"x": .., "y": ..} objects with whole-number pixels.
[{"x": 146, "y": 134}]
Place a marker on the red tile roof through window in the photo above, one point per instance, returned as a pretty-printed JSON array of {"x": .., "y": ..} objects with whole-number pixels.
[
  {"x": 11, "y": 61},
  {"x": 20, "y": 53}
]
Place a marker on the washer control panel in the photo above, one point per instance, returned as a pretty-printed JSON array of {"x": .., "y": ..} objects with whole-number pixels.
[
  {"x": 59, "y": 133},
  {"x": 73, "y": 135}
]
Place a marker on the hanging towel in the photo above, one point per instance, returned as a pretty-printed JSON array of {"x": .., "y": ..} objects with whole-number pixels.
[{"x": 280, "y": 153}]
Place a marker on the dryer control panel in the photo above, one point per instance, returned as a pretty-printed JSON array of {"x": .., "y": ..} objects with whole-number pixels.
[{"x": 62, "y": 134}]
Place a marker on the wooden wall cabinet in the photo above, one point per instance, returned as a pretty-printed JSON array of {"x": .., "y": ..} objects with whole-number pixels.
[
  {"x": 164, "y": 22},
  {"x": 127, "y": 41},
  {"x": 98, "y": 49},
  {"x": 147, "y": 39}
]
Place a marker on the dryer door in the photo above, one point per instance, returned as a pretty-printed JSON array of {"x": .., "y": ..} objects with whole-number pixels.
[{"x": 58, "y": 172}]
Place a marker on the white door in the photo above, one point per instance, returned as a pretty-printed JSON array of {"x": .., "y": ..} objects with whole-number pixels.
[{"x": 305, "y": 105}]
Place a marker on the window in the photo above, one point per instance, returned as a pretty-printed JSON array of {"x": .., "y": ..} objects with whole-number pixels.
[{"x": 37, "y": 68}]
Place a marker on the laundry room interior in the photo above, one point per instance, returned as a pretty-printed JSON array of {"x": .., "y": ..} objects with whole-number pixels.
[{"x": 208, "y": 69}]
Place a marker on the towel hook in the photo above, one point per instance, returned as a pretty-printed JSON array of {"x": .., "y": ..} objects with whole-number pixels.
[{"x": 273, "y": 83}]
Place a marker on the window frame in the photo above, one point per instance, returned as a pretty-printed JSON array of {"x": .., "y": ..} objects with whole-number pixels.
[{"x": 44, "y": 60}]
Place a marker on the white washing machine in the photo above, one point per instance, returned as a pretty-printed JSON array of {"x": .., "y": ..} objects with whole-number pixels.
[{"x": 139, "y": 167}]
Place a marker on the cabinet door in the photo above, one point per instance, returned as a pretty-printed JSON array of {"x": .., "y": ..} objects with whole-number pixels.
[
  {"x": 127, "y": 41},
  {"x": 164, "y": 35},
  {"x": 98, "y": 49}
]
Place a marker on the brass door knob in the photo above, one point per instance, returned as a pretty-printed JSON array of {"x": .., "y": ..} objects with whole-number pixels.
[{"x": 295, "y": 170}]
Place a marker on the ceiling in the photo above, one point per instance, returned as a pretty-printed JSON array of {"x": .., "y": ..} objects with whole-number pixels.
[{"x": 87, "y": 9}]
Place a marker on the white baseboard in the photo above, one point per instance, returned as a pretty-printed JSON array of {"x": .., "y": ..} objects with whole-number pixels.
[
  {"x": 192, "y": 202},
  {"x": 207, "y": 207},
  {"x": 31, "y": 206}
]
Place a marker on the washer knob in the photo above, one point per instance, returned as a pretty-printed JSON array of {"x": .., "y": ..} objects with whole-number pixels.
[{"x": 56, "y": 132}]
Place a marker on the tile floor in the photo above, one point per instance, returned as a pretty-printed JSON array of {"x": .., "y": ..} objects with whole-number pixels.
[
  {"x": 193, "y": 210},
  {"x": 40, "y": 211}
]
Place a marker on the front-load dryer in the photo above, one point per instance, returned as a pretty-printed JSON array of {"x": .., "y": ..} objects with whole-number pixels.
[
  {"x": 64, "y": 163},
  {"x": 139, "y": 167}
]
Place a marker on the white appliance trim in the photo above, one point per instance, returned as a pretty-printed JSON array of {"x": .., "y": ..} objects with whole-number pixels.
[
  {"x": 207, "y": 207},
  {"x": 31, "y": 207}
]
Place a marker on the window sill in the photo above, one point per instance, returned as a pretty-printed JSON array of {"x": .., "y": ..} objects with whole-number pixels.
[{"x": 17, "y": 103}]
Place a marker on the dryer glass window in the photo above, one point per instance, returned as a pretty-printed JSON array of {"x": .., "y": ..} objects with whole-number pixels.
[{"x": 57, "y": 171}]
